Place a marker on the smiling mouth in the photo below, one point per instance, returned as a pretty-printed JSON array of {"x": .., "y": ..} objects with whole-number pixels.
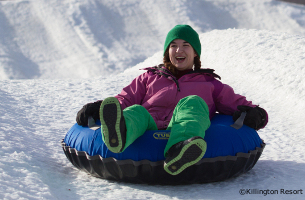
[{"x": 180, "y": 59}]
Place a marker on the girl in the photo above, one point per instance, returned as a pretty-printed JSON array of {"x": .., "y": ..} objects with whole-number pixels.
[{"x": 177, "y": 95}]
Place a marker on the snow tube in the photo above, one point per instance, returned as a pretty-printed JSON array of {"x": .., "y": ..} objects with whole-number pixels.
[{"x": 230, "y": 152}]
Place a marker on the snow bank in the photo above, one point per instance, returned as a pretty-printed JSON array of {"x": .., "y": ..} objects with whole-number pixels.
[{"x": 49, "y": 39}]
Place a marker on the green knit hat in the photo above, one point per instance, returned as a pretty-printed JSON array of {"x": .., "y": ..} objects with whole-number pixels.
[{"x": 184, "y": 32}]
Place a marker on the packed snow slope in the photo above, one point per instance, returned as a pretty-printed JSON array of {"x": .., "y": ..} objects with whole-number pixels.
[
  {"x": 56, "y": 56},
  {"x": 80, "y": 39},
  {"x": 267, "y": 67}
]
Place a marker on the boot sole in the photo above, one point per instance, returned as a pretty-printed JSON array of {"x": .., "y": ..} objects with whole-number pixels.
[
  {"x": 110, "y": 116},
  {"x": 189, "y": 155}
]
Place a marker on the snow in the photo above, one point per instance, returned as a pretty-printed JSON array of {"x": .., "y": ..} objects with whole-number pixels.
[{"x": 56, "y": 56}]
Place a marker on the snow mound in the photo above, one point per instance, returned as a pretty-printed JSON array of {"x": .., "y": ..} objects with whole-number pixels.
[{"x": 50, "y": 39}]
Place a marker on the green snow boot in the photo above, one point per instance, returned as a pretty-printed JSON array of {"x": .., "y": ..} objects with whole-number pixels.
[
  {"x": 113, "y": 124},
  {"x": 184, "y": 154}
]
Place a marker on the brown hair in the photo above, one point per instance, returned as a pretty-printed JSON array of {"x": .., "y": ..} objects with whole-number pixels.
[{"x": 167, "y": 63}]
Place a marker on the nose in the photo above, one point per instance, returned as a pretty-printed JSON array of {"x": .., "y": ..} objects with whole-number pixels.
[{"x": 179, "y": 49}]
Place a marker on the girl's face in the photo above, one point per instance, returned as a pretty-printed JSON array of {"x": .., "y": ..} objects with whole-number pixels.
[{"x": 181, "y": 54}]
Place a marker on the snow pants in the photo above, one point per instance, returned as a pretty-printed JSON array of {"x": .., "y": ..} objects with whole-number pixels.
[{"x": 190, "y": 118}]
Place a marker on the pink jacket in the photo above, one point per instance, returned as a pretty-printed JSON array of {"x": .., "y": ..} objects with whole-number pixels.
[{"x": 159, "y": 92}]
